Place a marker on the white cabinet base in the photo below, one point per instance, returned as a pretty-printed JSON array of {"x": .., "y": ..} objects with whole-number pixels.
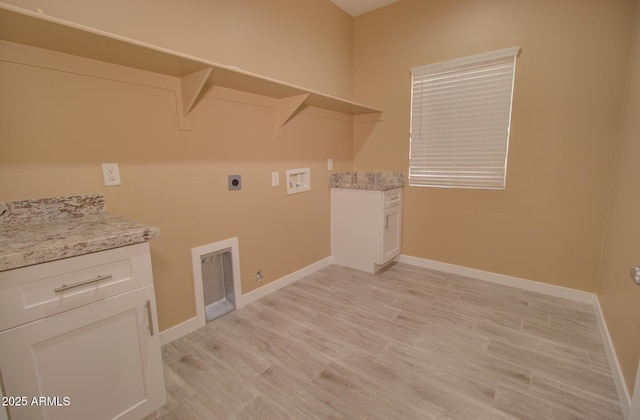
[
  {"x": 99, "y": 360},
  {"x": 365, "y": 227}
]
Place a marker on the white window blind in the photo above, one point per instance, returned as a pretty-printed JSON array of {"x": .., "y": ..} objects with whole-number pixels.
[{"x": 460, "y": 117}]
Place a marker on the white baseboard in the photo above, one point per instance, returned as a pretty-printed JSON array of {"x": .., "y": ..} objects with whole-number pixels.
[
  {"x": 282, "y": 281},
  {"x": 180, "y": 330},
  {"x": 616, "y": 370},
  {"x": 194, "y": 323},
  {"x": 530, "y": 285}
]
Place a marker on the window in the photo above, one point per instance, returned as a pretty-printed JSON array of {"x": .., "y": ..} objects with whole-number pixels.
[{"x": 460, "y": 117}]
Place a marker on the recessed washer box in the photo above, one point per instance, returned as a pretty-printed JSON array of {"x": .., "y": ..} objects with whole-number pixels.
[{"x": 298, "y": 180}]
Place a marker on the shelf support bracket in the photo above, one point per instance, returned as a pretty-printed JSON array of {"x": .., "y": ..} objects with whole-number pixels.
[
  {"x": 190, "y": 88},
  {"x": 286, "y": 108},
  {"x": 372, "y": 117}
]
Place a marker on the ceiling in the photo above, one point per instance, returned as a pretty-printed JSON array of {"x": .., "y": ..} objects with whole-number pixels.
[{"x": 358, "y": 7}]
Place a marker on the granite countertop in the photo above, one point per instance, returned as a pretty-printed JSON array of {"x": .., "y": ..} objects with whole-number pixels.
[
  {"x": 369, "y": 180},
  {"x": 42, "y": 230}
]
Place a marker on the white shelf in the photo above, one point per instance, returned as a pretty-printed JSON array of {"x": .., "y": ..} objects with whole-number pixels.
[{"x": 37, "y": 30}]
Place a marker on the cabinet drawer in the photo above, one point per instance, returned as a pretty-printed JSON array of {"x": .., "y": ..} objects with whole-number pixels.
[
  {"x": 391, "y": 198},
  {"x": 41, "y": 290}
]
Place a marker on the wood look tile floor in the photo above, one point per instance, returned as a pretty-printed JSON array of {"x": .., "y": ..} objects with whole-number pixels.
[{"x": 407, "y": 343}]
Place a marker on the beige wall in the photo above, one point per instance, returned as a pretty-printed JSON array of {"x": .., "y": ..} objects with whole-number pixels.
[
  {"x": 548, "y": 223},
  {"x": 58, "y": 124},
  {"x": 618, "y": 295},
  {"x": 56, "y": 127},
  {"x": 303, "y": 42}
]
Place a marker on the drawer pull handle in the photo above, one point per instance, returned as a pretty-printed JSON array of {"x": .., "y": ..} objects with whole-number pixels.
[
  {"x": 148, "y": 305},
  {"x": 81, "y": 283}
]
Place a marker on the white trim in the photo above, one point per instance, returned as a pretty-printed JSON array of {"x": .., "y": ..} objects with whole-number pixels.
[
  {"x": 616, "y": 374},
  {"x": 282, "y": 282},
  {"x": 531, "y": 285},
  {"x": 180, "y": 330},
  {"x": 457, "y": 63},
  {"x": 634, "y": 408},
  {"x": 198, "y": 289},
  {"x": 194, "y": 323}
]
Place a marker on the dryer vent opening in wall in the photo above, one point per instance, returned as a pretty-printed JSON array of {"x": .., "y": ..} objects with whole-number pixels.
[
  {"x": 217, "y": 282},
  {"x": 216, "y": 278}
]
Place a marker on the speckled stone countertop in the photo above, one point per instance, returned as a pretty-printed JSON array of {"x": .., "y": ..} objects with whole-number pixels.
[
  {"x": 42, "y": 230},
  {"x": 370, "y": 180}
]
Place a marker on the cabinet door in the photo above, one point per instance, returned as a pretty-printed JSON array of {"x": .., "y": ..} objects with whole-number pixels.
[
  {"x": 390, "y": 233},
  {"x": 98, "y": 361}
]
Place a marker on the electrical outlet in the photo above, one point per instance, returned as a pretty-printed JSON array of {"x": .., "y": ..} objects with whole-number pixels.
[
  {"x": 111, "y": 174},
  {"x": 235, "y": 182},
  {"x": 275, "y": 179}
]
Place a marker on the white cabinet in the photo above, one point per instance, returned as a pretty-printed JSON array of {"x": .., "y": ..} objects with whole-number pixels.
[
  {"x": 82, "y": 347},
  {"x": 365, "y": 227}
]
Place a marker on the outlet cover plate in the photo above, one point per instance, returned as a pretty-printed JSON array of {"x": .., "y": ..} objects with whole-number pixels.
[{"x": 111, "y": 174}]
